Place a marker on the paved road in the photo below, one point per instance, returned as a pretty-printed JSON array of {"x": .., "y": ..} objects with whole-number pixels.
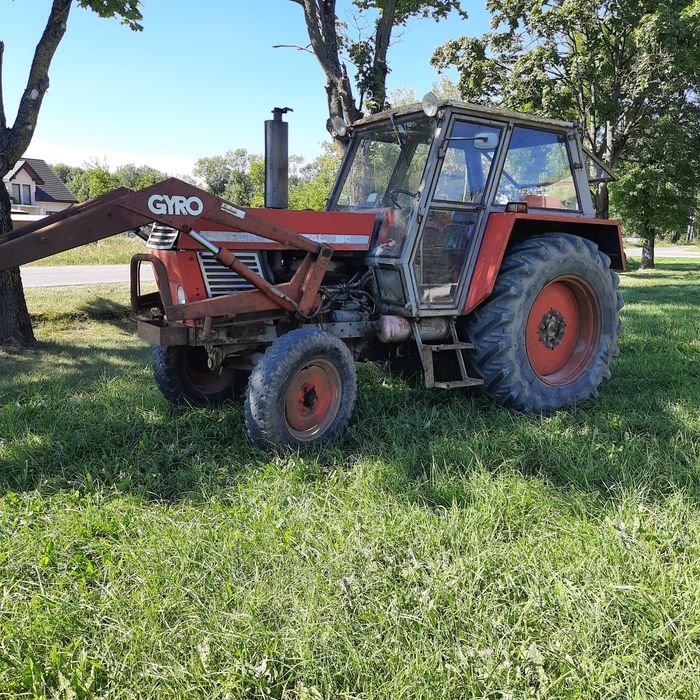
[
  {"x": 70, "y": 275},
  {"x": 675, "y": 251}
]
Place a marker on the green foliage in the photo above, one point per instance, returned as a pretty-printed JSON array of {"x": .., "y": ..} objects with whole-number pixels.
[
  {"x": 610, "y": 65},
  {"x": 137, "y": 177},
  {"x": 128, "y": 11},
  {"x": 95, "y": 178},
  {"x": 443, "y": 548},
  {"x": 67, "y": 174},
  {"x": 654, "y": 194},
  {"x": 407, "y": 9},
  {"x": 312, "y": 187},
  {"x": 234, "y": 176},
  {"x": 239, "y": 177},
  {"x": 94, "y": 181}
]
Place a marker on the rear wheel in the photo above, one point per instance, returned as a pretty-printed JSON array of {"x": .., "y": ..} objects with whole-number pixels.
[
  {"x": 546, "y": 336},
  {"x": 183, "y": 376},
  {"x": 302, "y": 391}
]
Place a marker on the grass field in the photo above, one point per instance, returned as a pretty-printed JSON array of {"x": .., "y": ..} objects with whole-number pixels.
[
  {"x": 111, "y": 251},
  {"x": 443, "y": 548}
]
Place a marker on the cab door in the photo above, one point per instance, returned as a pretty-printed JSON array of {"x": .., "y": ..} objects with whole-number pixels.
[{"x": 445, "y": 242}]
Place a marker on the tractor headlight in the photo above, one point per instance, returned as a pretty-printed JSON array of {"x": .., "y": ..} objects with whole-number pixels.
[
  {"x": 430, "y": 104},
  {"x": 181, "y": 297},
  {"x": 339, "y": 126}
]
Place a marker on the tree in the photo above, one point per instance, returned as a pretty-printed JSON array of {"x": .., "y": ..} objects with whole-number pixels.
[
  {"x": 313, "y": 185},
  {"x": 238, "y": 176},
  {"x": 369, "y": 56},
  {"x": 93, "y": 180},
  {"x": 137, "y": 177},
  {"x": 67, "y": 173},
  {"x": 15, "y": 324},
  {"x": 611, "y": 65},
  {"x": 655, "y": 192}
]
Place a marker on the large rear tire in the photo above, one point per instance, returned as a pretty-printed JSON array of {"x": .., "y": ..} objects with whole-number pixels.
[
  {"x": 302, "y": 391},
  {"x": 183, "y": 377},
  {"x": 546, "y": 336}
]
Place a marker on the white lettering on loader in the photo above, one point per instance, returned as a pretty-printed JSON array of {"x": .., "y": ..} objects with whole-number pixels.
[{"x": 177, "y": 205}]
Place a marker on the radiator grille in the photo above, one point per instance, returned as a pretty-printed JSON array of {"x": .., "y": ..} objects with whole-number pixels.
[
  {"x": 219, "y": 280},
  {"x": 162, "y": 237}
]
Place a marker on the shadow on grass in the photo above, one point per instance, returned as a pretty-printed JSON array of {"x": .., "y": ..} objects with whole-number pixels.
[
  {"x": 87, "y": 412},
  {"x": 99, "y": 309}
]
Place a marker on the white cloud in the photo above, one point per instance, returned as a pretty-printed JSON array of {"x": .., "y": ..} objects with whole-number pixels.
[{"x": 78, "y": 155}]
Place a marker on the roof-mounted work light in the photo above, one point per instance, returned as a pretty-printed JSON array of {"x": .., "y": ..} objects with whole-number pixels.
[{"x": 430, "y": 104}]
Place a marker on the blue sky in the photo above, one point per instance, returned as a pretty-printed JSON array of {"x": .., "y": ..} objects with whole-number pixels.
[{"x": 200, "y": 79}]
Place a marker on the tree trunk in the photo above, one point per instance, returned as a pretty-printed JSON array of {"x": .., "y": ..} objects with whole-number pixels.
[
  {"x": 380, "y": 67},
  {"x": 601, "y": 201},
  {"x": 340, "y": 103},
  {"x": 690, "y": 232},
  {"x": 15, "y": 323},
  {"x": 648, "y": 251}
]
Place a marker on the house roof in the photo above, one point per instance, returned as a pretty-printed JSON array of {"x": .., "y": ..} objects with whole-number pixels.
[{"x": 49, "y": 187}]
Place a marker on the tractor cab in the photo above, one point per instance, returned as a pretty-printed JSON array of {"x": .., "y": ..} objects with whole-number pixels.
[{"x": 436, "y": 174}]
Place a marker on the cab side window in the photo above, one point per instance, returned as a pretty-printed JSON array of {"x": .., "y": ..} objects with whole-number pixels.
[
  {"x": 538, "y": 171},
  {"x": 467, "y": 163}
]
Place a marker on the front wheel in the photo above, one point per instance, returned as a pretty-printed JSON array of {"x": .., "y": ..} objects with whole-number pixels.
[
  {"x": 184, "y": 378},
  {"x": 302, "y": 391},
  {"x": 546, "y": 336}
]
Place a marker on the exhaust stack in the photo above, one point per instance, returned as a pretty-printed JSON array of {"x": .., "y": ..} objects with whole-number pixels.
[{"x": 277, "y": 160}]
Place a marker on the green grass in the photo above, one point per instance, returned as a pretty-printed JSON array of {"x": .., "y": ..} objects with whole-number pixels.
[
  {"x": 443, "y": 548},
  {"x": 111, "y": 251}
]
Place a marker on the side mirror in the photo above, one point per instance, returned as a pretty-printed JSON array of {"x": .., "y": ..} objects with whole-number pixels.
[{"x": 486, "y": 141}]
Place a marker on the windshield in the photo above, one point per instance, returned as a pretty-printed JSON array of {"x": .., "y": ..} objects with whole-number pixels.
[
  {"x": 386, "y": 160},
  {"x": 385, "y": 172}
]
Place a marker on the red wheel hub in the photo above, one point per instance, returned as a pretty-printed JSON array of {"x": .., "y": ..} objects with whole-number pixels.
[
  {"x": 313, "y": 400},
  {"x": 563, "y": 330}
]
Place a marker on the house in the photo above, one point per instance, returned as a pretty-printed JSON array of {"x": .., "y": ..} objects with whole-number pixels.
[{"x": 35, "y": 191}]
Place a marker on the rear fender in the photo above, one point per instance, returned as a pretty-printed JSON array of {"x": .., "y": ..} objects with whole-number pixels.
[{"x": 504, "y": 229}]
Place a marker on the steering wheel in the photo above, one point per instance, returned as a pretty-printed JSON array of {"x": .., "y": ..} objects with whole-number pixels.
[{"x": 393, "y": 194}]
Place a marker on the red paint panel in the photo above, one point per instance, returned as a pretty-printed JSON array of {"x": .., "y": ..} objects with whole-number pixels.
[
  {"x": 324, "y": 226},
  {"x": 488, "y": 262},
  {"x": 495, "y": 240},
  {"x": 622, "y": 245},
  {"x": 183, "y": 271}
]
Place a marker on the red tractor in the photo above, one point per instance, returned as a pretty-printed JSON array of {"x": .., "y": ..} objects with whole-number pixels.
[{"x": 458, "y": 242}]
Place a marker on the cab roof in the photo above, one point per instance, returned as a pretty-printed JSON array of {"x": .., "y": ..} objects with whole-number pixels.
[{"x": 469, "y": 109}]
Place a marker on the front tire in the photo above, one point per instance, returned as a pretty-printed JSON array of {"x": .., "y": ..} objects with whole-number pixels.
[
  {"x": 184, "y": 378},
  {"x": 546, "y": 336},
  {"x": 302, "y": 391}
]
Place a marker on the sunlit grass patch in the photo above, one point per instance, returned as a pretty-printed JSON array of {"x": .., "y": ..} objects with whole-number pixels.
[
  {"x": 116, "y": 250},
  {"x": 442, "y": 548}
]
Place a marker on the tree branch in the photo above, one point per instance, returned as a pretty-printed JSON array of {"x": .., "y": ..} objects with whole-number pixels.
[
  {"x": 22, "y": 131},
  {"x": 306, "y": 48},
  {"x": 380, "y": 67}
]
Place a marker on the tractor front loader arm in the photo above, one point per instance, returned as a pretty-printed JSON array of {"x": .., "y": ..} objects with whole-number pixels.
[
  {"x": 80, "y": 224},
  {"x": 183, "y": 207}
]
